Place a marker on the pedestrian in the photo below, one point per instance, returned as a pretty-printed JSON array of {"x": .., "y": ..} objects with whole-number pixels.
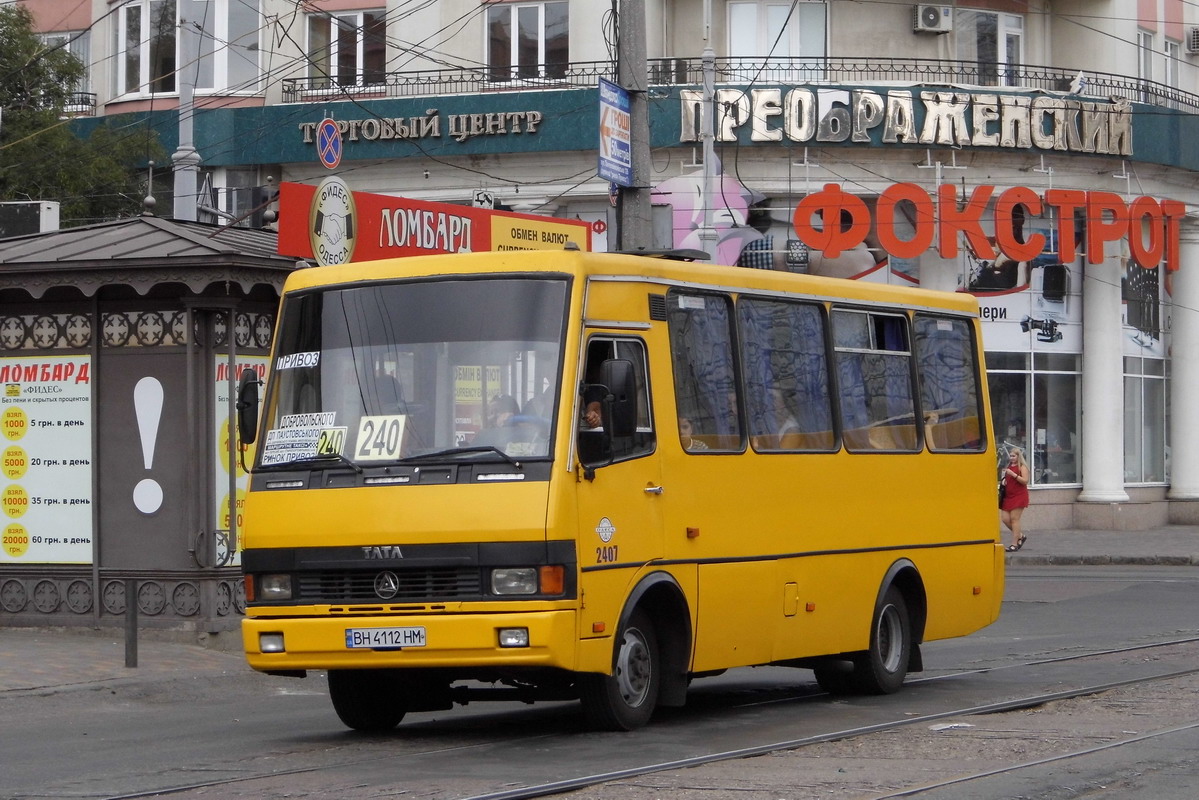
[{"x": 1015, "y": 496}]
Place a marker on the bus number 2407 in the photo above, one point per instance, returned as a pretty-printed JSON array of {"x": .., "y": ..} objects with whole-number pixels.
[{"x": 605, "y": 554}]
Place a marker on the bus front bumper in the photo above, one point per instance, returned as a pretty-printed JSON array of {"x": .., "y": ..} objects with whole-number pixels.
[{"x": 424, "y": 641}]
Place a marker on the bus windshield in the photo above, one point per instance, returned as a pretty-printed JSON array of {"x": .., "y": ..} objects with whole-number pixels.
[{"x": 376, "y": 373}]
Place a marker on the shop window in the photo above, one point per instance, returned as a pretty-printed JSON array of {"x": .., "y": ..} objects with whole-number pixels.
[
  {"x": 1038, "y": 410},
  {"x": 995, "y": 42},
  {"x": 347, "y": 48},
  {"x": 528, "y": 41},
  {"x": 1144, "y": 420}
]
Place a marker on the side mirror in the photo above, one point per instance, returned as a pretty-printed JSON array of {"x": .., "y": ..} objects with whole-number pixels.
[
  {"x": 620, "y": 412},
  {"x": 247, "y": 405}
]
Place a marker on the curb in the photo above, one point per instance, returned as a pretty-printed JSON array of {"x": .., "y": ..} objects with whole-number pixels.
[{"x": 1103, "y": 560}]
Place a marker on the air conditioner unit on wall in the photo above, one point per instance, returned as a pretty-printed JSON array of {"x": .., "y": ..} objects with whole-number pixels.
[
  {"x": 1193, "y": 40},
  {"x": 932, "y": 19}
]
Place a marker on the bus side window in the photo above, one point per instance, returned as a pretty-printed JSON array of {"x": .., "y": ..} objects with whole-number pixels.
[
  {"x": 874, "y": 365},
  {"x": 593, "y": 440},
  {"x": 705, "y": 383},
  {"x": 785, "y": 362},
  {"x": 948, "y": 373}
]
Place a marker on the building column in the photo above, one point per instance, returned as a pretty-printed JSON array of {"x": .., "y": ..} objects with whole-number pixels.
[
  {"x": 1102, "y": 384},
  {"x": 1183, "y": 424}
]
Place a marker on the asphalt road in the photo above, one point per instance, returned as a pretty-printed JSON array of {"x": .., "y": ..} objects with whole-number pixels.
[{"x": 257, "y": 736}]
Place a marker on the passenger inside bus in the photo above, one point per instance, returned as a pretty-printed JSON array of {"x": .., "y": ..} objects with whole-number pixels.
[{"x": 502, "y": 414}]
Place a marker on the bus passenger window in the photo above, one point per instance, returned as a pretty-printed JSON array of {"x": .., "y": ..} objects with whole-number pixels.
[
  {"x": 785, "y": 363},
  {"x": 878, "y": 409},
  {"x": 705, "y": 384},
  {"x": 948, "y": 374}
]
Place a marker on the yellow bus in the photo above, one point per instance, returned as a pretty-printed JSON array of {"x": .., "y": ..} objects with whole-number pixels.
[{"x": 568, "y": 475}]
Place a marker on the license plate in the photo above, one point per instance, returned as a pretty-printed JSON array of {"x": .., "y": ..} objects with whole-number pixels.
[{"x": 385, "y": 637}]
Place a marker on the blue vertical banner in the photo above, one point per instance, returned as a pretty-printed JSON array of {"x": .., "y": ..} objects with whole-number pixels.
[{"x": 615, "y": 149}]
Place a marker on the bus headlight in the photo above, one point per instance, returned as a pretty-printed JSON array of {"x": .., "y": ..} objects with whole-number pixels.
[
  {"x": 273, "y": 587},
  {"x": 514, "y": 580},
  {"x": 549, "y": 580}
]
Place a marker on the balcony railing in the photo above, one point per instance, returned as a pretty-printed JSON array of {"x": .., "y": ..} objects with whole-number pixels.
[
  {"x": 80, "y": 104},
  {"x": 744, "y": 71}
]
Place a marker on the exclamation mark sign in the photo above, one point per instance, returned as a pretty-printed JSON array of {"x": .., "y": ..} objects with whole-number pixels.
[{"x": 147, "y": 405}]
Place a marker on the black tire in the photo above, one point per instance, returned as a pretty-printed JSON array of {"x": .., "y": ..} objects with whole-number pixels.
[
  {"x": 882, "y": 669},
  {"x": 836, "y": 678},
  {"x": 625, "y": 700},
  {"x": 368, "y": 700}
]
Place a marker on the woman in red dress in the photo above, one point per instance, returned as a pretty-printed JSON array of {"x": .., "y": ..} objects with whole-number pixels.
[{"x": 1015, "y": 496}]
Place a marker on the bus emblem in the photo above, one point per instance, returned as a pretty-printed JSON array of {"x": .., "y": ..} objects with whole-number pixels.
[
  {"x": 605, "y": 529},
  {"x": 387, "y": 585}
]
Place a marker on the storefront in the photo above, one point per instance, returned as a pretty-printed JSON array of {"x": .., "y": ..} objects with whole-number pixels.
[{"x": 1020, "y": 196}]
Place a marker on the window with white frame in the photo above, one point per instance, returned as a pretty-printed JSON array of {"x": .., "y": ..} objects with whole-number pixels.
[
  {"x": 770, "y": 29},
  {"x": 1173, "y": 57},
  {"x": 347, "y": 48},
  {"x": 528, "y": 40},
  {"x": 1145, "y": 57},
  {"x": 147, "y": 45},
  {"x": 1039, "y": 411},
  {"x": 228, "y": 44},
  {"x": 993, "y": 41},
  {"x": 78, "y": 44}
]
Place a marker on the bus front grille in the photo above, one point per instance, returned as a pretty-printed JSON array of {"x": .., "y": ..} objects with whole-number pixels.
[{"x": 411, "y": 585}]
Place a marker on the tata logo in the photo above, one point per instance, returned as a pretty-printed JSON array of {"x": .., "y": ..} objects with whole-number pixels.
[
  {"x": 387, "y": 585},
  {"x": 382, "y": 551}
]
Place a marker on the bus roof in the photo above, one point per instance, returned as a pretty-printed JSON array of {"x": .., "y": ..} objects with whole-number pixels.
[{"x": 617, "y": 265}]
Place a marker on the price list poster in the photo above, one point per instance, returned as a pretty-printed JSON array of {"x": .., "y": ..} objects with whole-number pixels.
[{"x": 46, "y": 427}]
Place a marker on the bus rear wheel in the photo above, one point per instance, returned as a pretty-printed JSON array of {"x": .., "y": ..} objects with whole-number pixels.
[
  {"x": 367, "y": 700},
  {"x": 882, "y": 668},
  {"x": 625, "y": 700}
]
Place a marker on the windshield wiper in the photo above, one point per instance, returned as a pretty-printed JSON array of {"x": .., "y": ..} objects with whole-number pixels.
[
  {"x": 325, "y": 459},
  {"x": 454, "y": 451}
]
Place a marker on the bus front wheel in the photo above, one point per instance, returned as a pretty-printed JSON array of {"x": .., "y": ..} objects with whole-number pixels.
[
  {"x": 368, "y": 700},
  {"x": 625, "y": 700}
]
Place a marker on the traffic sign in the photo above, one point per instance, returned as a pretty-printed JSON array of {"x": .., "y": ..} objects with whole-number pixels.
[{"x": 328, "y": 143}]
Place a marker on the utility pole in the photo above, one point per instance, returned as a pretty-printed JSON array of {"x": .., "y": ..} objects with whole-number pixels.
[
  {"x": 186, "y": 160},
  {"x": 707, "y": 234},
  {"x": 633, "y": 205}
]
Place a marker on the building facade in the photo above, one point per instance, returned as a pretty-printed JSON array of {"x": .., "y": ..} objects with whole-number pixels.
[{"x": 1041, "y": 156}]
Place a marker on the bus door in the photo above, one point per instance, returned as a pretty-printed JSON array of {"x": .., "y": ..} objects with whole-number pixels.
[{"x": 620, "y": 493}]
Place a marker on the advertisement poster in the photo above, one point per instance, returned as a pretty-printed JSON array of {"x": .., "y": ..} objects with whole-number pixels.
[
  {"x": 46, "y": 419},
  {"x": 333, "y": 224},
  {"x": 1028, "y": 306},
  {"x": 228, "y": 554},
  {"x": 1145, "y": 327}
]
